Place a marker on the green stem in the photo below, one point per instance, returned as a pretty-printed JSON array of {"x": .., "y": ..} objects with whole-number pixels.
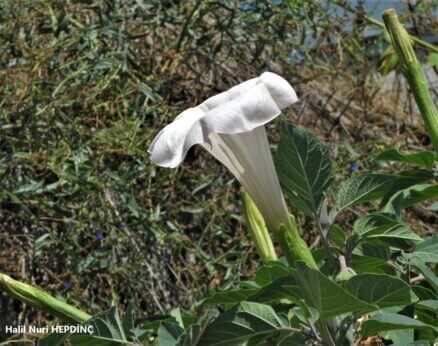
[
  {"x": 294, "y": 247},
  {"x": 413, "y": 73},
  {"x": 258, "y": 230},
  {"x": 346, "y": 6},
  {"x": 41, "y": 300}
]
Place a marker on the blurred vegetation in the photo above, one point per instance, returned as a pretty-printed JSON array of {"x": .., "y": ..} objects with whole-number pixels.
[{"x": 87, "y": 84}]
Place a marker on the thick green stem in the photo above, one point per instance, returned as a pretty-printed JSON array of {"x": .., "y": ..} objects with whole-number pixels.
[
  {"x": 293, "y": 246},
  {"x": 41, "y": 300},
  {"x": 413, "y": 73},
  {"x": 344, "y": 4},
  {"x": 258, "y": 230}
]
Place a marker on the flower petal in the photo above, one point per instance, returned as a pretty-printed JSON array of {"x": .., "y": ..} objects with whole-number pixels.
[
  {"x": 240, "y": 109},
  {"x": 173, "y": 142}
]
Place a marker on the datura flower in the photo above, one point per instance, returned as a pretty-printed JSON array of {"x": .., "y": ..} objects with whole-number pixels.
[{"x": 231, "y": 127}]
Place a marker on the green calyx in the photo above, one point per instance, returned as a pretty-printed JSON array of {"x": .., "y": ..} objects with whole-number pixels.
[
  {"x": 258, "y": 230},
  {"x": 41, "y": 300},
  {"x": 294, "y": 247}
]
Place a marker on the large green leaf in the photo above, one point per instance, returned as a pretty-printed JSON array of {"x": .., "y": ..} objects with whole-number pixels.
[
  {"x": 282, "y": 288},
  {"x": 381, "y": 290},
  {"x": 304, "y": 167},
  {"x": 411, "y": 196},
  {"x": 128, "y": 323},
  {"x": 373, "y": 250},
  {"x": 272, "y": 282},
  {"x": 262, "y": 289},
  {"x": 385, "y": 227},
  {"x": 368, "y": 264},
  {"x": 294, "y": 339},
  {"x": 168, "y": 333},
  {"x": 363, "y": 188},
  {"x": 329, "y": 298},
  {"x": 402, "y": 337},
  {"x": 423, "y": 293},
  {"x": 405, "y": 179},
  {"x": 107, "y": 331},
  {"x": 417, "y": 261},
  {"x": 241, "y": 323},
  {"x": 183, "y": 318},
  {"x": 229, "y": 297},
  {"x": 270, "y": 272},
  {"x": 428, "y": 250},
  {"x": 369, "y": 187},
  {"x": 429, "y": 275},
  {"x": 431, "y": 305},
  {"x": 193, "y": 334},
  {"x": 388, "y": 321},
  {"x": 427, "y": 312},
  {"x": 423, "y": 158}
]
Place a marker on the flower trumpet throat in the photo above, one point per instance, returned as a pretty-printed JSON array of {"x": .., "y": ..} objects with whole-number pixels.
[
  {"x": 42, "y": 301},
  {"x": 258, "y": 230}
]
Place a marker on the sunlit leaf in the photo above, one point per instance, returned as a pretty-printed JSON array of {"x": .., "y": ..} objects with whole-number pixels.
[
  {"x": 389, "y": 321},
  {"x": 423, "y": 158},
  {"x": 304, "y": 167}
]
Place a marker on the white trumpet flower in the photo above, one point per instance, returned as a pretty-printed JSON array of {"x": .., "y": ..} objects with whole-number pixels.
[{"x": 231, "y": 127}]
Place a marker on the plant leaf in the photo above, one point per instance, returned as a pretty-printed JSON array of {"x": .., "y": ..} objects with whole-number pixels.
[
  {"x": 389, "y": 321},
  {"x": 270, "y": 272},
  {"x": 244, "y": 321},
  {"x": 386, "y": 228},
  {"x": 369, "y": 187},
  {"x": 430, "y": 276},
  {"x": 381, "y": 290},
  {"x": 168, "y": 333},
  {"x": 193, "y": 334},
  {"x": 422, "y": 158},
  {"x": 363, "y": 188},
  {"x": 228, "y": 297},
  {"x": 128, "y": 323},
  {"x": 368, "y": 264},
  {"x": 410, "y": 196},
  {"x": 431, "y": 305},
  {"x": 282, "y": 288},
  {"x": 428, "y": 250},
  {"x": 405, "y": 179},
  {"x": 304, "y": 167},
  {"x": 183, "y": 318},
  {"x": 329, "y": 298},
  {"x": 107, "y": 330}
]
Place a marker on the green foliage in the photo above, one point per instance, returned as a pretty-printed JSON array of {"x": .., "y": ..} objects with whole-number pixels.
[
  {"x": 363, "y": 188},
  {"x": 386, "y": 228},
  {"x": 244, "y": 322},
  {"x": 389, "y": 321},
  {"x": 411, "y": 196},
  {"x": 107, "y": 328},
  {"x": 423, "y": 158},
  {"x": 304, "y": 168},
  {"x": 427, "y": 250},
  {"x": 381, "y": 290}
]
